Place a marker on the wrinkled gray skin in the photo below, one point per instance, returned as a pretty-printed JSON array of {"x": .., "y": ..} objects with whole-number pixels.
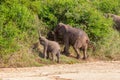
[
  {"x": 74, "y": 37},
  {"x": 51, "y": 36},
  {"x": 116, "y": 19},
  {"x": 50, "y": 47}
]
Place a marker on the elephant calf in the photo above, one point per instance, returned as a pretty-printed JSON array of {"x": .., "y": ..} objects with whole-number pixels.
[
  {"x": 50, "y": 47},
  {"x": 72, "y": 36}
]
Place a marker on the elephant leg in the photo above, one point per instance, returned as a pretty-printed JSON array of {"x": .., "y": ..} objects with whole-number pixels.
[
  {"x": 47, "y": 55},
  {"x": 45, "y": 52},
  {"x": 85, "y": 53},
  {"x": 66, "y": 48},
  {"x": 76, "y": 47},
  {"x": 58, "y": 57},
  {"x": 77, "y": 51},
  {"x": 52, "y": 54}
]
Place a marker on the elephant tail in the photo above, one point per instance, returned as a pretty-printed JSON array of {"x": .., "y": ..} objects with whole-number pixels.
[{"x": 91, "y": 45}]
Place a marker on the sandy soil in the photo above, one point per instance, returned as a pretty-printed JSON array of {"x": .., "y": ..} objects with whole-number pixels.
[{"x": 100, "y": 70}]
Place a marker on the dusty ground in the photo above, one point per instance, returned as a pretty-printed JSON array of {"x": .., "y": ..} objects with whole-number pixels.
[{"x": 109, "y": 70}]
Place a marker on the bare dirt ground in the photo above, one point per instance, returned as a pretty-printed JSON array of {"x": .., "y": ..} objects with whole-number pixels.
[{"x": 100, "y": 70}]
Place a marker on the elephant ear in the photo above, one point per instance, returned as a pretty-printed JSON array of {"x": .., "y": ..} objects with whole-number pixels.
[
  {"x": 62, "y": 27},
  {"x": 66, "y": 28}
]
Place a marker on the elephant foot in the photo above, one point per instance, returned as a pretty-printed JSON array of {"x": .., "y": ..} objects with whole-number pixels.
[
  {"x": 58, "y": 61},
  {"x": 62, "y": 52},
  {"x": 47, "y": 57},
  {"x": 44, "y": 57},
  {"x": 78, "y": 57},
  {"x": 67, "y": 54},
  {"x": 84, "y": 58}
]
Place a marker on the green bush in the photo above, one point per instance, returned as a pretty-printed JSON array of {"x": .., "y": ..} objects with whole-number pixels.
[
  {"x": 108, "y": 49},
  {"x": 16, "y": 26},
  {"x": 108, "y": 6}
]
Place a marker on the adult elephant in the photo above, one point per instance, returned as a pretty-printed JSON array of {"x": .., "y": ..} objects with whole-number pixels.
[
  {"x": 74, "y": 37},
  {"x": 116, "y": 20}
]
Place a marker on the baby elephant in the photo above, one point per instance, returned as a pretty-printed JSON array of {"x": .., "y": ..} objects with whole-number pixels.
[{"x": 50, "y": 47}]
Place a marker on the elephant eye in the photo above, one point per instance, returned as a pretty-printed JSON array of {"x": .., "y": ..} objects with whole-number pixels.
[{"x": 42, "y": 42}]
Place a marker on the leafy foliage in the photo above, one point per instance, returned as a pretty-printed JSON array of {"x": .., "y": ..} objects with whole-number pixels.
[{"x": 109, "y": 6}]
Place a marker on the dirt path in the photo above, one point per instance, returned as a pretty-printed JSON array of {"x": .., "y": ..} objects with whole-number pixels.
[{"x": 82, "y": 71}]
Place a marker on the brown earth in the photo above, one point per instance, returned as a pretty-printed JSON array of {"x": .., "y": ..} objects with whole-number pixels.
[{"x": 100, "y": 70}]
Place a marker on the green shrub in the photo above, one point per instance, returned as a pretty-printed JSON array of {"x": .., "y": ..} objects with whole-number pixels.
[
  {"x": 108, "y": 6},
  {"x": 108, "y": 49},
  {"x": 16, "y": 23}
]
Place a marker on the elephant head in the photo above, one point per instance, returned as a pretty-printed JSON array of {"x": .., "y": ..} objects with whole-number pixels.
[
  {"x": 61, "y": 29},
  {"x": 116, "y": 20}
]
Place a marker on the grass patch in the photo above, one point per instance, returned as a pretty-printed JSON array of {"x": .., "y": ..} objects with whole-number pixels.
[
  {"x": 28, "y": 57},
  {"x": 110, "y": 49},
  {"x": 68, "y": 60}
]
